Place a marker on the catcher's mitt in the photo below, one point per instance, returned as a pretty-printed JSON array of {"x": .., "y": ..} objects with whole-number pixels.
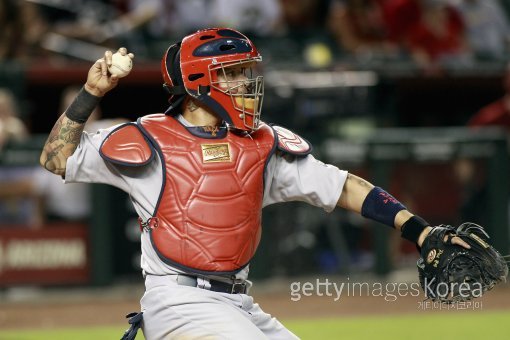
[{"x": 450, "y": 273}]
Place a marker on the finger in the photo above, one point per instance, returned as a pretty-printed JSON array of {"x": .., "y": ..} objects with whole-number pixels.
[
  {"x": 131, "y": 55},
  {"x": 97, "y": 64},
  {"x": 123, "y": 50},
  {"x": 104, "y": 68},
  {"x": 458, "y": 241},
  {"x": 108, "y": 58}
]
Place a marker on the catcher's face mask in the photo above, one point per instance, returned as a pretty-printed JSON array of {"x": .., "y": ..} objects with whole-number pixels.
[
  {"x": 214, "y": 66},
  {"x": 243, "y": 90}
]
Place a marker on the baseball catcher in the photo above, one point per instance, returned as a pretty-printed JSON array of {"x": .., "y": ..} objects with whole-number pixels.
[
  {"x": 199, "y": 175},
  {"x": 450, "y": 273}
]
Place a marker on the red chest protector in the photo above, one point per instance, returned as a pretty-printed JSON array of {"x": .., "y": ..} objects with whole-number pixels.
[{"x": 208, "y": 216}]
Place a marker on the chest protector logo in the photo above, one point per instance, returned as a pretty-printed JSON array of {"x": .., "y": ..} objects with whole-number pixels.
[
  {"x": 219, "y": 152},
  {"x": 209, "y": 210}
]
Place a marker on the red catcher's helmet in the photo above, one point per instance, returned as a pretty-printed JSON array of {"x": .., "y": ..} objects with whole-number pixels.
[{"x": 193, "y": 65}]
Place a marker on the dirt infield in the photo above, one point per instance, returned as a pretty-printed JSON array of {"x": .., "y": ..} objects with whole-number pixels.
[{"x": 107, "y": 306}]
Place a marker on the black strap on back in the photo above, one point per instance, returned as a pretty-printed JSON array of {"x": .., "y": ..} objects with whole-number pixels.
[
  {"x": 174, "y": 90},
  {"x": 135, "y": 320},
  {"x": 174, "y": 106}
]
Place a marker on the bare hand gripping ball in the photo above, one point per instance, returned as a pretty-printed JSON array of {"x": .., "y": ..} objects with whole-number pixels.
[{"x": 121, "y": 65}]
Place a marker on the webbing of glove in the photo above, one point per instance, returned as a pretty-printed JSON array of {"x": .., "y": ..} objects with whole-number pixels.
[
  {"x": 451, "y": 273},
  {"x": 135, "y": 320}
]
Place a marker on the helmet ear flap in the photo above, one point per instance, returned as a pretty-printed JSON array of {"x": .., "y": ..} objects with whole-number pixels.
[
  {"x": 173, "y": 64},
  {"x": 172, "y": 72}
]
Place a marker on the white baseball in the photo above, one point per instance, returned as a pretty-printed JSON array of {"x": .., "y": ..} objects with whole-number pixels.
[{"x": 121, "y": 65}]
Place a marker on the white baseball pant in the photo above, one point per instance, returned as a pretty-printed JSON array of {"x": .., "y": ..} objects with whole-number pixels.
[{"x": 173, "y": 311}]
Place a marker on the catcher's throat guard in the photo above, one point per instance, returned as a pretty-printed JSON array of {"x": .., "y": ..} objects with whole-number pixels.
[{"x": 450, "y": 273}]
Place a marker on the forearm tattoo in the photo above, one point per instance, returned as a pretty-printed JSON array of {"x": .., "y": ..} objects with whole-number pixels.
[
  {"x": 51, "y": 156},
  {"x": 61, "y": 144},
  {"x": 55, "y": 131},
  {"x": 65, "y": 135},
  {"x": 70, "y": 133}
]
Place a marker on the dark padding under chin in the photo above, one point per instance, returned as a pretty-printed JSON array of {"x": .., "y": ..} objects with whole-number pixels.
[{"x": 127, "y": 145}]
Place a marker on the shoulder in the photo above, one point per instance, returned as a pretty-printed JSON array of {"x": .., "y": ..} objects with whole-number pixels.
[
  {"x": 290, "y": 142},
  {"x": 127, "y": 145}
]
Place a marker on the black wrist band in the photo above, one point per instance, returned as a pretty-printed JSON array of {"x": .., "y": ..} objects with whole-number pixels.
[
  {"x": 82, "y": 106},
  {"x": 413, "y": 227}
]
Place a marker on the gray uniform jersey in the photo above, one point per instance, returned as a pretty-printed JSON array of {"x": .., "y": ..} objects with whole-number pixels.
[{"x": 286, "y": 179}]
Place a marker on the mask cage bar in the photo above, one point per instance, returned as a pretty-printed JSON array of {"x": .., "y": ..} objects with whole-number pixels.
[{"x": 248, "y": 104}]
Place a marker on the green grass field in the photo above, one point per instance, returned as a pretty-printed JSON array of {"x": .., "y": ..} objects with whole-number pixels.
[{"x": 450, "y": 326}]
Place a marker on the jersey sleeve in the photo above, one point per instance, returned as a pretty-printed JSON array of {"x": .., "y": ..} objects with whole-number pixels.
[
  {"x": 303, "y": 179},
  {"x": 142, "y": 183},
  {"x": 87, "y": 166}
]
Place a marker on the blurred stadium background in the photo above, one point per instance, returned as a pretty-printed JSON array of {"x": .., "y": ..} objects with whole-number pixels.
[{"x": 386, "y": 89}]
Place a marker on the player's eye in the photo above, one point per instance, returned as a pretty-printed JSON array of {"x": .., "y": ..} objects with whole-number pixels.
[{"x": 229, "y": 74}]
